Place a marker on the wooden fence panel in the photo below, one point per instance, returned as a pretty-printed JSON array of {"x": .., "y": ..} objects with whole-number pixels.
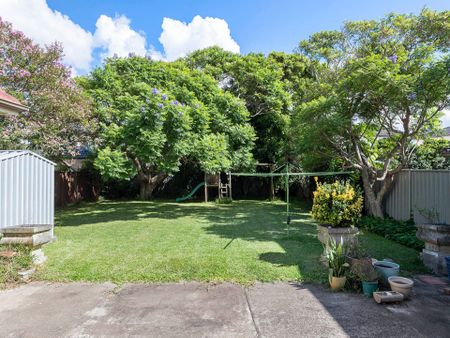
[{"x": 74, "y": 187}]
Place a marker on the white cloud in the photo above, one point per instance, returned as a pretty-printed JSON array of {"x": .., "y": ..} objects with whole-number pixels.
[
  {"x": 179, "y": 38},
  {"x": 116, "y": 37},
  {"x": 113, "y": 35},
  {"x": 44, "y": 25}
]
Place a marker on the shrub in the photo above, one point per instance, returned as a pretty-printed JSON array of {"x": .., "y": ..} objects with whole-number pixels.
[
  {"x": 337, "y": 204},
  {"x": 403, "y": 232}
]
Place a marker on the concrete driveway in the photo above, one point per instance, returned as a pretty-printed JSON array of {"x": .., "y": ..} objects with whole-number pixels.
[{"x": 215, "y": 310}]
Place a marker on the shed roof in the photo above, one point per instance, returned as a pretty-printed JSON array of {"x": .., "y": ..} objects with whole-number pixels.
[{"x": 8, "y": 154}]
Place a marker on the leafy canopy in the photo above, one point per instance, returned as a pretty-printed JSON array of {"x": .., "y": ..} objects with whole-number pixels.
[
  {"x": 270, "y": 86},
  {"x": 153, "y": 115}
]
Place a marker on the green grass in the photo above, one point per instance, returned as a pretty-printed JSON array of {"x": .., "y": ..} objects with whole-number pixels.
[
  {"x": 10, "y": 266},
  {"x": 161, "y": 241}
]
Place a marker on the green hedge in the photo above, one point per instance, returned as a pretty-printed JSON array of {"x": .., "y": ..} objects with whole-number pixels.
[{"x": 403, "y": 232}]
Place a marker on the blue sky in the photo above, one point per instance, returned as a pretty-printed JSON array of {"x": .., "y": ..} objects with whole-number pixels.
[{"x": 260, "y": 26}]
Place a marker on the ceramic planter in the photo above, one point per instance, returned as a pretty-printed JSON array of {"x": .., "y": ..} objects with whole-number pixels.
[
  {"x": 437, "y": 246},
  {"x": 386, "y": 269},
  {"x": 401, "y": 284},
  {"x": 337, "y": 283},
  {"x": 348, "y": 235},
  {"x": 369, "y": 288}
]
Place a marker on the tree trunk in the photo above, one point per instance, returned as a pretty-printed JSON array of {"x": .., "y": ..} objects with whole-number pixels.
[
  {"x": 146, "y": 189},
  {"x": 147, "y": 185},
  {"x": 372, "y": 202}
]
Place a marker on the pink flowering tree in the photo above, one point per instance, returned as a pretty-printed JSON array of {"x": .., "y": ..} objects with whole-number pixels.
[{"x": 58, "y": 118}]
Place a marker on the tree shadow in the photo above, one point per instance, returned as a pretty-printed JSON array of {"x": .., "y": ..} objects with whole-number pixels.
[{"x": 260, "y": 221}]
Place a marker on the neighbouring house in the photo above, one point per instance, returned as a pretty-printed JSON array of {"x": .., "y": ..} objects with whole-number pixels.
[
  {"x": 26, "y": 190},
  {"x": 9, "y": 105}
]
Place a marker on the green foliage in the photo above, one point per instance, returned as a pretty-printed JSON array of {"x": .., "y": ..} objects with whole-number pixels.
[
  {"x": 153, "y": 115},
  {"x": 381, "y": 86},
  {"x": 269, "y": 85},
  {"x": 337, "y": 204},
  {"x": 10, "y": 266},
  {"x": 336, "y": 257},
  {"x": 403, "y": 232},
  {"x": 430, "y": 155}
]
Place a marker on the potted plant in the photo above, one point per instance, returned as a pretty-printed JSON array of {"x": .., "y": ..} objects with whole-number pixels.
[
  {"x": 335, "y": 255},
  {"x": 359, "y": 257},
  {"x": 368, "y": 278},
  {"x": 337, "y": 209}
]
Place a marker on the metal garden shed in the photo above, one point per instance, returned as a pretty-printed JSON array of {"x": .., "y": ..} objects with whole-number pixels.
[{"x": 26, "y": 197}]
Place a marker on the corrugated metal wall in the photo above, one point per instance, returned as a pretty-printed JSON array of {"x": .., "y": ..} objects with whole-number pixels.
[
  {"x": 419, "y": 192},
  {"x": 26, "y": 189}
]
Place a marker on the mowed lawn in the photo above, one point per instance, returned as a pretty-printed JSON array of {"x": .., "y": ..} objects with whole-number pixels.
[{"x": 158, "y": 241}]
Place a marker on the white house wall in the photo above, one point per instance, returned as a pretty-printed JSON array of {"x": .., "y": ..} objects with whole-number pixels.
[{"x": 26, "y": 190}]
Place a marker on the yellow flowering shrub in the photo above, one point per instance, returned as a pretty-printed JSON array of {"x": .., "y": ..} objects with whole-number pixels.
[{"x": 337, "y": 204}]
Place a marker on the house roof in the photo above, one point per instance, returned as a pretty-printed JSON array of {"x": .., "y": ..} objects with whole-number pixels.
[
  {"x": 8, "y": 154},
  {"x": 9, "y": 104}
]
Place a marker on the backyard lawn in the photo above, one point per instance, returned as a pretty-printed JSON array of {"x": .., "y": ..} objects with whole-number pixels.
[{"x": 161, "y": 241}]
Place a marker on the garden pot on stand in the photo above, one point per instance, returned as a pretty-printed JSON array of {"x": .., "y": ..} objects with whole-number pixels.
[{"x": 347, "y": 235}]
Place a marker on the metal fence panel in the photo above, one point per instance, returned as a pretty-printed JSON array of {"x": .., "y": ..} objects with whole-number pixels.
[{"x": 422, "y": 194}]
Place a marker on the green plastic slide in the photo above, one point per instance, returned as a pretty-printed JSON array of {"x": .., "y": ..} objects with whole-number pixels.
[{"x": 188, "y": 196}]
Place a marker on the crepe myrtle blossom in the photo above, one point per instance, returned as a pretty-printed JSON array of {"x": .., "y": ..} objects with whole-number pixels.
[{"x": 37, "y": 75}]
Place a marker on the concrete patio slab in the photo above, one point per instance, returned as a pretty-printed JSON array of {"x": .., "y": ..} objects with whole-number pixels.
[{"x": 215, "y": 310}]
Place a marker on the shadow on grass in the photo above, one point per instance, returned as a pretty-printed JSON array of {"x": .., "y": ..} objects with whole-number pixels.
[{"x": 260, "y": 221}]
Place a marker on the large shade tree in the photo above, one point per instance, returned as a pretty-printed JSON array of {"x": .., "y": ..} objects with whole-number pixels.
[
  {"x": 58, "y": 120},
  {"x": 271, "y": 86},
  {"x": 381, "y": 87},
  {"x": 153, "y": 115}
]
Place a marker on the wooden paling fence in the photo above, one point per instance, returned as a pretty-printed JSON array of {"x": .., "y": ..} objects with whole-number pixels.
[{"x": 74, "y": 187}]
